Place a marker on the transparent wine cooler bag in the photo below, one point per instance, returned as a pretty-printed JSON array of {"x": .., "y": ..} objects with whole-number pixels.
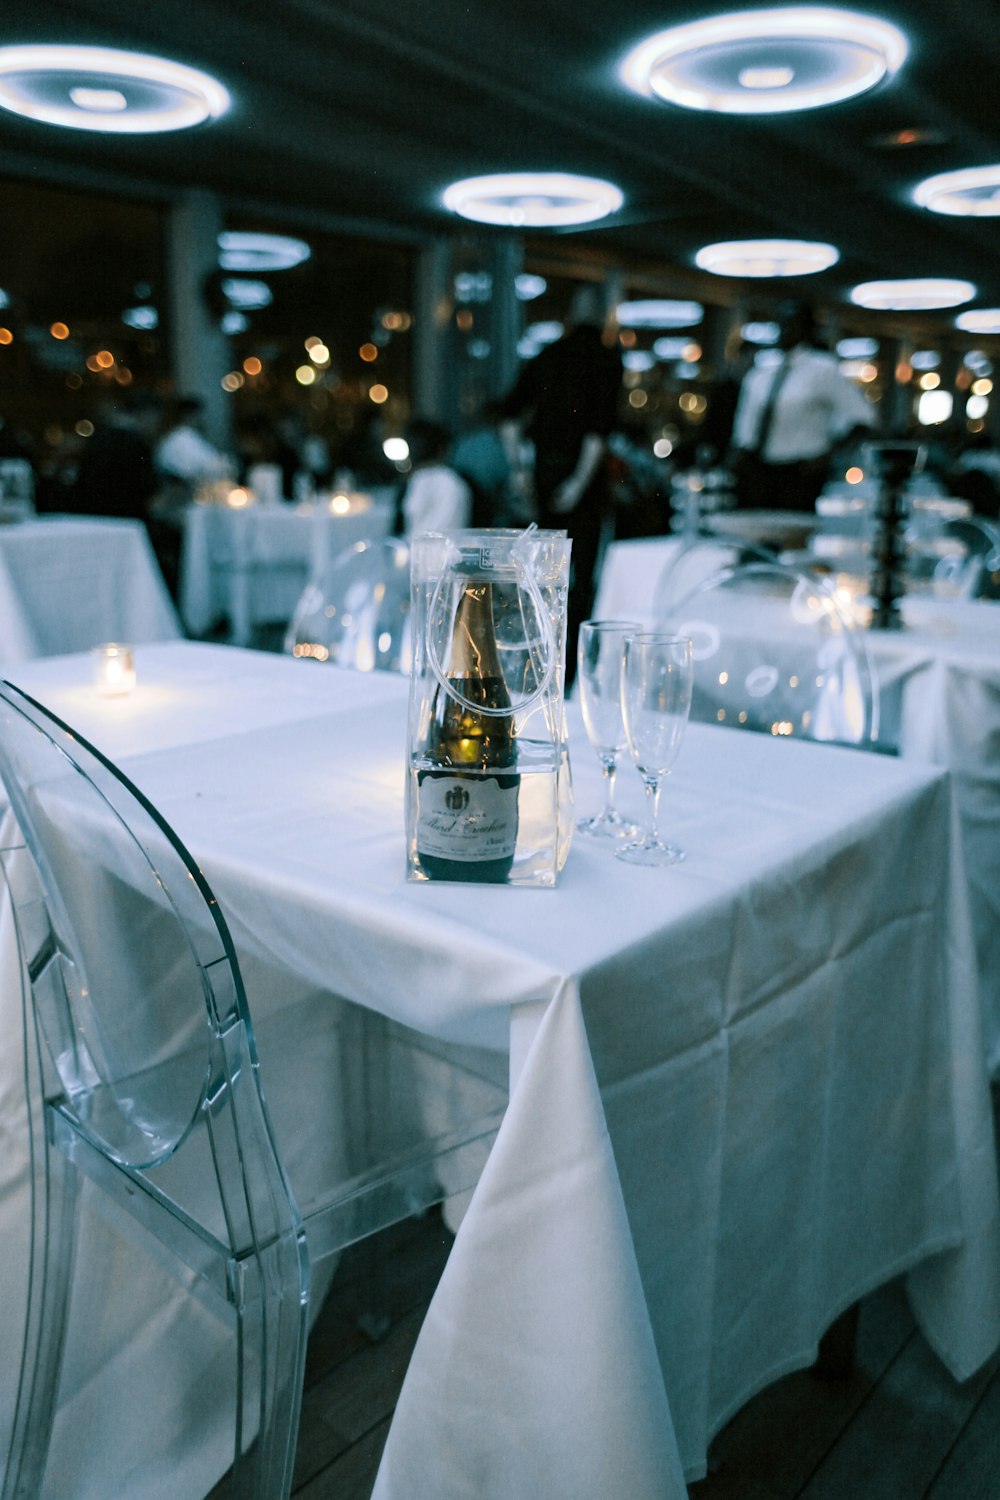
[{"x": 488, "y": 789}]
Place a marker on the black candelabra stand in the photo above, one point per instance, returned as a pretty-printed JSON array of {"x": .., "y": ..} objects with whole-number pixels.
[{"x": 893, "y": 463}]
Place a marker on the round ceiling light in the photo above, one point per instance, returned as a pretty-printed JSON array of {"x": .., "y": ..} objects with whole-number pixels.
[
  {"x": 923, "y": 294},
  {"x": 760, "y": 332},
  {"x": 260, "y": 252},
  {"x": 98, "y": 88},
  {"x": 659, "y": 312},
  {"x": 766, "y": 61},
  {"x": 980, "y": 320},
  {"x": 533, "y": 200},
  {"x": 973, "y": 192},
  {"x": 245, "y": 294},
  {"x": 766, "y": 258}
]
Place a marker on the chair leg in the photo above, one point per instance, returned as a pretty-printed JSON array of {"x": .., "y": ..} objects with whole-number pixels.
[
  {"x": 270, "y": 1364},
  {"x": 54, "y": 1189}
]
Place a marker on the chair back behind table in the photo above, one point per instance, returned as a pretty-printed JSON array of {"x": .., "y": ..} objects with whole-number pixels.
[
  {"x": 775, "y": 649},
  {"x": 356, "y": 611}
]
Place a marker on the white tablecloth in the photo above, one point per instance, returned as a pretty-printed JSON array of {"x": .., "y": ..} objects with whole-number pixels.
[
  {"x": 939, "y": 685},
  {"x": 68, "y": 583},
  {"x": 250, "y": 565},
  {"x": 747, "y": 1089}
]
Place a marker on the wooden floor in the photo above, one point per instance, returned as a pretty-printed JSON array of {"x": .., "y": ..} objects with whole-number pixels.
[{"x": 896, "y": 1427}]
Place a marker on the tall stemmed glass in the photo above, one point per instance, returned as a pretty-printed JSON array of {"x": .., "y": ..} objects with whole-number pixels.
[
  {"x": 656, "y": 702},
  {"x": 600, "y": 651}
]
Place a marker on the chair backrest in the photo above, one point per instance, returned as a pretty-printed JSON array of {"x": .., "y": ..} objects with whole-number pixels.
[
  {"x": 140, "y": 1059},
  {"x": 356, "y": 612},
  {"x": 776, "y": 650},
  {"x": 687, "y": 564},
  {"x": 133, "y": 973},
  {"x": 959, "y": 555}
]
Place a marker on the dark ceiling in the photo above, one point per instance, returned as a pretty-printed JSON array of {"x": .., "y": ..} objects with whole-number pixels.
[{"x": 364, "y": 110}]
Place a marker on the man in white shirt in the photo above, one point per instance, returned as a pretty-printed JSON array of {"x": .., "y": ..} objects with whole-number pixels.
[
  {"x": 184, "y": 453},
  {"x": 794, "y": 408}
]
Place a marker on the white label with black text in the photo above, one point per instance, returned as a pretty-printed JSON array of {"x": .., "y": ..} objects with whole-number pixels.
[{"x": 467, "y": 818}]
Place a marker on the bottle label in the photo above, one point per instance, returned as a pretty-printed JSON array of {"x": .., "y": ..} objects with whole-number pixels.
[{"x": 468, "y": 818}]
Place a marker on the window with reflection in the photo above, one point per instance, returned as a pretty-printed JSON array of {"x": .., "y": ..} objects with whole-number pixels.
[
  {"x": 82, "y": 285},
  {"x": 320, "y": 330},
  {"x": 318, "y": 341}
]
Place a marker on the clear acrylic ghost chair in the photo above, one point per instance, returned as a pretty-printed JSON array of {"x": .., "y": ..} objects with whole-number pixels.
[
  {"x": 958, "y": 557},
  {"x": 142, "y": 1078},
  {"x": 687, "y": 563},
  {"x": 776, "y": 649},
  {"x": 356, "y": 613}
]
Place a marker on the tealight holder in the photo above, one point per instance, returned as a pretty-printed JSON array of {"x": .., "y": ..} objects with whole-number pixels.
[{"x": 114, "y": 669}]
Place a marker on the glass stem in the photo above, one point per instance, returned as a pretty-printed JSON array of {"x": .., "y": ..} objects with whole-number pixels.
[
  {"x": 609, "y": 770},
  {"x": 652, "y": 785}
]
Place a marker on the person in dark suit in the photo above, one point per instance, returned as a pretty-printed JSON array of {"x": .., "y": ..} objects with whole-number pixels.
[
  {"x": 116, "y": 475},
  {"x": 565, "y": 402}
]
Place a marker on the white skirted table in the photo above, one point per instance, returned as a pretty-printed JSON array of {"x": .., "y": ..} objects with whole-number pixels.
[
  {"x": 744, "y": 1091},
  {"x": 249, "y": 564},
  {"x": 71, "y": 582},
  {"x": 939, "y": 686}
]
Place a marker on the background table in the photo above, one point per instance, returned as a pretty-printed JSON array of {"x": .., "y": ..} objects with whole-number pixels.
[
  {"x": 250, "y": 565},
  {"x": 70, "y": 582},
  {"x": 746, "y": 1091},
  {"x": 939, "y": 689}
]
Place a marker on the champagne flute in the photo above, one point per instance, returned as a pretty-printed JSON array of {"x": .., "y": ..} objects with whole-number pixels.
[
  {"x": 656, "y": 701},
  {"x": 600, "y": 649}
]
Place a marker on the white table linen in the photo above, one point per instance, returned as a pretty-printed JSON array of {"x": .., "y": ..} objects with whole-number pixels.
[
  {"x": 250, "y": 565},
  {"x": 939, "y": 689},
  {"x": 68, "y": 583},
  {"x": 784, "y": 1030}
]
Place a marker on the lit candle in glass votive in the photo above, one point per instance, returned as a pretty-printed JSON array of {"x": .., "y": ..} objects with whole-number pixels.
[{"x": 114, "y": 669}]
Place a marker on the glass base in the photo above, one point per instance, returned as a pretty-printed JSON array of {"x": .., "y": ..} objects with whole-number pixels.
[
  {"x": 607, "y": 825},
  {"x": 650, "y": 852}
]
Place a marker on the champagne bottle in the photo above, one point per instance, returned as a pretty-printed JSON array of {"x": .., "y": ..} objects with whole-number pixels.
[{"x": 467, "y": 795}]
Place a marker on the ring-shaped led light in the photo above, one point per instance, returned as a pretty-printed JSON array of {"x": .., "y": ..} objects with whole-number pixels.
[
  {"x": 766, "y": 257},
  {"x": 671, "y": 347},
  {"x": 973, "y": 192},
  {"x": 857, "y": 348},
  {"x": 527, "y": 286},
  {"x": 533, "y": 200},
  {"x": 99, "y": 88},
  {"x": 246, "y": 295},
  {"x": 922, "y": 294},
  {"x": 766, "y": 61},
  {"x": 659, "y": 312},
  {"x": 979, "y": 320},
  {"x": 239, "y": 251}
]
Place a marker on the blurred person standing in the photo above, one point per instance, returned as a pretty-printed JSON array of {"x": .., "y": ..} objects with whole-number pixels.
[
  {"x": 794, "y": 408},
  {"x": 115, "y": 474},
  {"x": 184, "y": 454},
  {"x": 185, "y": 459},
  {"x": 361, "y": 462},
  {"x": 435, "y": 497},
  {"x": 479, "y": 455},
  {"x": 565, "y": 402}
]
